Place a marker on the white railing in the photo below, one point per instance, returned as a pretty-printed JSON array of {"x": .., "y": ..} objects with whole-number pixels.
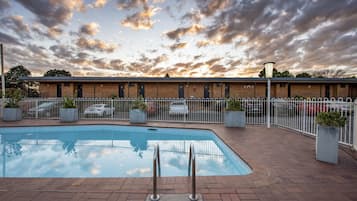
[
  {"x": 199, "y": 110},
  {"x": 296, "y": 114},
  {"x": 1, "y": 108},
  {"x": 300, "y": 115}
]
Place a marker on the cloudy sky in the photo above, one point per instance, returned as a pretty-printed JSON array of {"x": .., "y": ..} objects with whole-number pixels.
[{"x": 185, "y": 38}]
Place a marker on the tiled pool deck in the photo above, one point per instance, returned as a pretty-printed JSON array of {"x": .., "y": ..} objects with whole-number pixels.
[{"x": 283, "y": 162}]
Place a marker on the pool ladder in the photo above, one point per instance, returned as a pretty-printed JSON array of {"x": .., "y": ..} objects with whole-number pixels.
[
  {"x": 191, "y": 172},
  {"x": 156, "y": 171}
]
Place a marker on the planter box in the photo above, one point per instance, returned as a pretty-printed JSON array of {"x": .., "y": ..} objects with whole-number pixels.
[
  {"x": 68, "y": 114},
  {"x": 234, "y": 119},
  {"x": 327, "y": 144},
  {"x": 137, "y": 116},
  {"x": 12, "y": 114}
]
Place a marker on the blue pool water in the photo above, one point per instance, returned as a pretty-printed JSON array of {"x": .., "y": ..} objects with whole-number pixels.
[{"x": 111, "y": 151}]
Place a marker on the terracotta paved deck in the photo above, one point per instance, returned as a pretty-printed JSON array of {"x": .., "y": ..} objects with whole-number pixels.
[{"x": 283, "y": 162}]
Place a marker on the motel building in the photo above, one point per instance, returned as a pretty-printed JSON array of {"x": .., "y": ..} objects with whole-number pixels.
[{"x": 174, "y": 87}]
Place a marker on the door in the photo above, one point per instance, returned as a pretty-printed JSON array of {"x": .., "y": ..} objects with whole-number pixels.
[
  {"x": 289, "y": 90},
  {"x": 59, "y": 90},
  {"x": 181, "y": 91},
  {"x": 79, "y": 91},
  {"x": 226, "y": 91},
  {"x": 141, "y": 90},
  {"x": 327, "y": 91},
  {"x": 121, "y": 91},
  {"x": 206, "y": 92}
]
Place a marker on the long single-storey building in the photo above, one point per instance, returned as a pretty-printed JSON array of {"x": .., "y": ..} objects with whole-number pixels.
[{"x": 174, "y": 87}]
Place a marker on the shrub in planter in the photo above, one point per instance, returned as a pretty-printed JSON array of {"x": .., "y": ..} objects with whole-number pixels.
[
  {"x": 234, "y": 115},
  {"x": 69, "y": 111},
  {"x": 138, "y": 111},
  {"x": 12, "y": 110},
  {"x": 328, "y": 135}
]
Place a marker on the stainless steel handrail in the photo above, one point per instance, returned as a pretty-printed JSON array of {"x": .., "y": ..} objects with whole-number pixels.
[
  {"x": 156, "y": 171},
  {"x": 192, "y": 162}
]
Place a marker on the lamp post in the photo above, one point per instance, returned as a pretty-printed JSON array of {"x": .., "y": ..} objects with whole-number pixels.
[{"x": 268, "y": 74}]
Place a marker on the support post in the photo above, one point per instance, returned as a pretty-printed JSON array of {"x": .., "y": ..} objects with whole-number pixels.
[
  {"x": 355, "y": 125},
  {"x": 2, "y": 79},
  {"x": 268, "y": 104},
  {"x": 304, "y": 117},
  {"x": 36, "y": 106}
]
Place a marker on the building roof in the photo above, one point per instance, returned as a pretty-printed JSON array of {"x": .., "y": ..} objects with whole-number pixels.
[{"x": 186, "y": 79}]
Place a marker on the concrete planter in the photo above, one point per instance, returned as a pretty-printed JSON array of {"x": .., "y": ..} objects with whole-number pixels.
[
  {"x": 234, "y": 119},
  {"x": 327, "y": 144},
  {"x": 12, "y": 114},
  {"x": 137, "y": 116},
  {"x": 68, "y": 114}
]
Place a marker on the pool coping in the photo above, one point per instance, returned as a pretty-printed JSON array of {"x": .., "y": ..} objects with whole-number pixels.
[{"x": 284, "y": 169}]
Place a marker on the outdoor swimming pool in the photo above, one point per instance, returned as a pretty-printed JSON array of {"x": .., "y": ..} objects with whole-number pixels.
[{"x": 112, "y": 151}]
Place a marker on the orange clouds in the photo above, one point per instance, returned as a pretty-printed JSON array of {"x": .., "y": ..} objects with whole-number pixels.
[
  {"x": 141, "y": 20},
  {"x": 89, "y": 29},
  {"x": 177, "y": 46},
  {"x": 179, "y": 32},
  {"x": 95, "y": 45},
  {"x": 99, "y": 3}
]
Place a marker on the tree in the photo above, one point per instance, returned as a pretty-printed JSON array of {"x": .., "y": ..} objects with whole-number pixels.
[
  {"x": 285, "y": 74},
  {"x": 13, "y": 75},
  {"x": 304, "y": 75},
  {"x": 331, "y": 73},
  {"x": 276, "y": 73},
  {"x": 57, "y": 73}
]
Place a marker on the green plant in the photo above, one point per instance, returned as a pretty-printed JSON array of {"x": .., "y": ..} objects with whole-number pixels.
[
  {"x": 113, "y": 96},
  {"x": 333, "y": 119},
  {"x": 139, "y": 104},
  {"x": 14, "y": 97},
  {"x": 68, "y": 103},
  {"x": 234, "y": 105}
]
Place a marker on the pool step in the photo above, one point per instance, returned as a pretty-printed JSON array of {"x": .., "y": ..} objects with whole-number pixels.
[{"x": 175, "y": 197}]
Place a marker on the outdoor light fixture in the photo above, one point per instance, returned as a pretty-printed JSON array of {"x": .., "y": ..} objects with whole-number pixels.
[
  {"x": 269, "y": 66},
  {"x": 269, "y": 69}
]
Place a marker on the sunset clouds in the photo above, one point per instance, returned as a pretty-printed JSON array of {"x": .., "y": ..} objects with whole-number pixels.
[{"x": 210, "y": 38}]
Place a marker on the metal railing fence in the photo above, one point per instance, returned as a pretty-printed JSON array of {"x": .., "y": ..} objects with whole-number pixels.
[
  {"x": 198, "y": 110},
  {"x": 296, "y": 114},
  {"x": 300, "y": 115}
]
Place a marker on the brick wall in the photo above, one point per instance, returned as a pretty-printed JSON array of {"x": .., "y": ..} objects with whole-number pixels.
[
  {"x": 132, "y": 90},
  {"x": 67, "y": 90},
  {"x": 196, "y": 90},
  {"x": 307, "y": 90},
  {"x": 48, "y": 90},
  {"x": 342, "y": 90},
  {"x": 217, "y": 90},
  {"x": 168, "y": 90}
]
